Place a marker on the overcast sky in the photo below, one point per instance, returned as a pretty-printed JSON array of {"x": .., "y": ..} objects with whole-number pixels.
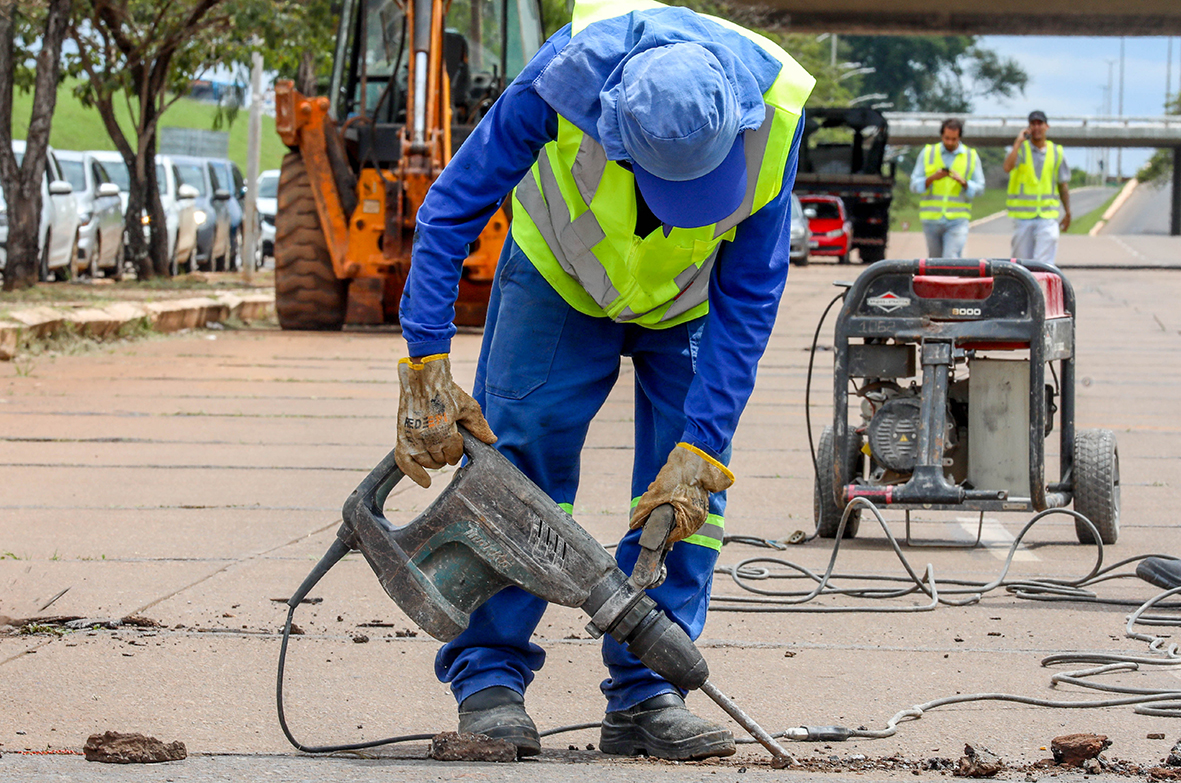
[{"x": 1068, "y": 76}]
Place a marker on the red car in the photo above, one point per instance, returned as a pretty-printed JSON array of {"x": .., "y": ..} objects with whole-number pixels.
[{"x": 832, "y": 230}]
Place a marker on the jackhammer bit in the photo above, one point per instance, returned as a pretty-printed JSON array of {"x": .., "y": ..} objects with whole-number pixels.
[{"x": 492, "y": 527}]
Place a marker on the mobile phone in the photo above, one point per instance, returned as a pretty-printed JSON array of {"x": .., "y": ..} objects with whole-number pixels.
[{"x": 946, "y": 170}]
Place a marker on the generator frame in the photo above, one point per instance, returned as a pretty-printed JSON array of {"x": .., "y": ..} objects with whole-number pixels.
[{"x": 882, "y": 304}]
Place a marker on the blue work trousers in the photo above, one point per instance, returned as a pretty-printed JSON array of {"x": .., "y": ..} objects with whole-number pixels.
[{"x": 545, "y": 369}]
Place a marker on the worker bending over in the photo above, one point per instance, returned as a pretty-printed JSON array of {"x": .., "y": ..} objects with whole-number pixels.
[
  {"x": 1039, "y": 191},
  {"x": 653, "y": 152},
  {"x": 949, "y": 176}
]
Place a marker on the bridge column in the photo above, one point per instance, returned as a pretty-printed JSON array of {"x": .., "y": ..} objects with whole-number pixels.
[{"x": 1175, "y": 212}]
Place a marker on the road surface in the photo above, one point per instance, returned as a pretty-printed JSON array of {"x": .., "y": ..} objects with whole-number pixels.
[
  {"x": 194, "y": 480},
  {"x": 1145, "y": 212}
]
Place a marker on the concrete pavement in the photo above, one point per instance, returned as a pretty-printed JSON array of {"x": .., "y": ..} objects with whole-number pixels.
[{"x": 193, "y": 479}]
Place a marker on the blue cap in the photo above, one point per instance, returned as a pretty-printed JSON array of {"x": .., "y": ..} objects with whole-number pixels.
[{"x": 679, "y": 121}]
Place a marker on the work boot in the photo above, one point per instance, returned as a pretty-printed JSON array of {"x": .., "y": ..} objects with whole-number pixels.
[
  {"x": 1163, "y": 572},
  {"x": 499, "y": 713},
  {"x": 662, "y": 726}
]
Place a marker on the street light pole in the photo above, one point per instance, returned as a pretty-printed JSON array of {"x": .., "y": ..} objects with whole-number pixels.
[
  {"x": 1119, "y": 161},
  {"x": 253, "y": 153}
]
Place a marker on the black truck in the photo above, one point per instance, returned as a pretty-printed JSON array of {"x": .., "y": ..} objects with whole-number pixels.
[{"x": 843, "y": 154}]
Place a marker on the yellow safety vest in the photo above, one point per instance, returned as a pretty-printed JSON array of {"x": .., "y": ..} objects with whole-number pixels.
[
  {"x": 574, "y": 214},
  {"x": 1029, "y": 195},
  {"x": 946, "y": 198}
]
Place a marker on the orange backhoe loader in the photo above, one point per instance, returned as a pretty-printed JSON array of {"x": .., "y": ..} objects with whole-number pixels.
[{"x": 410, "y": 80}]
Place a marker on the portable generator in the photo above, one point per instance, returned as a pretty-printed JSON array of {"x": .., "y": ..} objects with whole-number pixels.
[{"x": 948, "y": 359}]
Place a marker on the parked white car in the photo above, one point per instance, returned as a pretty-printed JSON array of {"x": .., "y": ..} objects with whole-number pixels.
[
  {"x": 268, "y": 204},
  {"x": 180, "y": 215},
  {"x": 180, "y": 219},
  {"x": 100, "y": 213},
  {"x": 58, "y": 232}
]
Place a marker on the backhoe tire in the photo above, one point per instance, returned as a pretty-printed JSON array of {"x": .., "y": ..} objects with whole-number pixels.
[
  {"x": 308, "y": 295},
  {"x": 1096, "y": 485},
  {"x": 824, "y": 501}
]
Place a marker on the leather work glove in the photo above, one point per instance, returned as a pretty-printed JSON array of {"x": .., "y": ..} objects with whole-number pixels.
[
  {"x": 685, "y": 481},
  {"x": 430, "y": 405}
]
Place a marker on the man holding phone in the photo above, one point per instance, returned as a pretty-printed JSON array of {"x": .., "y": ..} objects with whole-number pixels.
[
  {"x": 1039, "y": 191},
  {"x": 949, "y": 176}
]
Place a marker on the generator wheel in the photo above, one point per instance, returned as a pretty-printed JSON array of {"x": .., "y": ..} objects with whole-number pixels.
[
  {"x": 1096, "y": 484},
  {"x": 307, "y": 293},
  {"x": 824, "y": 494}
]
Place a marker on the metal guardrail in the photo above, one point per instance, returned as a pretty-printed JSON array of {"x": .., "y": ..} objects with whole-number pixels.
[{"x": 915, "y": 128}]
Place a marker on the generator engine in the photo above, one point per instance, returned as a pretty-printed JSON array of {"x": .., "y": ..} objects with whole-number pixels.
[{"x": 892, "y": 423}]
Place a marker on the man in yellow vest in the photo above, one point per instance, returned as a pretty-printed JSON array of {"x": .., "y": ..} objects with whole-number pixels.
[
  {"x": 949, "y": 176},
  {"x": 1039, "y": 191},
  {"x": 653, "y": 152}
]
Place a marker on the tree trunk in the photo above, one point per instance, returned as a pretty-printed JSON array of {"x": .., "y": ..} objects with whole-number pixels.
[
  {"x": 22, "y": 185},
  {"x": 138, "y": 251},
  {"x": 158, "y": 240},
  {"x": 305, "y": 78}
]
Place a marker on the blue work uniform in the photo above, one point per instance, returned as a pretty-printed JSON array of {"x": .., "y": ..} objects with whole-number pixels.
[{"x": 545, "y": 369}]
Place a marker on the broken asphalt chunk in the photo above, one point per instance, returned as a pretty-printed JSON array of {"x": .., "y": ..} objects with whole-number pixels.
[
  {"x": 978, "y": 762},
  {"x": 113, "y": 747},
  {"x": 452, "y": 746},
  {"x": 1071, "y": 750}
]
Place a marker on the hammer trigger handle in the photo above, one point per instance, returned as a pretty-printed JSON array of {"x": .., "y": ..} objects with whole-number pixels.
[{"x": 649, "y": 570}]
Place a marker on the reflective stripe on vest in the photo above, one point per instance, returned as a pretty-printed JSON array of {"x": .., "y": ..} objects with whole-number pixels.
[
  {"x": 1031, "y": 196},
  {"x": 577, "y": 214},
  {"x": 572, "y": 242},
  {"x": 946, "y": 198}
]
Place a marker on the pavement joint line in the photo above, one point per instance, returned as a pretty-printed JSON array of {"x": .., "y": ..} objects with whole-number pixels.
[
  {"x": 23, "y": 653},
  {"x": 231, "y": 564}
]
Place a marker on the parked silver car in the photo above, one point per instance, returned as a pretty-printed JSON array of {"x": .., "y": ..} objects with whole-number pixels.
[
  {"x": 178, "y": 200},
  {"x": 213, "y": 219},
  {"x": 268, "y": 205},
  {"x": 100, "y": 213},
  {"x": 58, "y": 231},
  {"x": 801, "y": 233}
]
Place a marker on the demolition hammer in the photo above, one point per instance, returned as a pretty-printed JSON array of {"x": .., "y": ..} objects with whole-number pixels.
[{"x": 492, "y": 527}]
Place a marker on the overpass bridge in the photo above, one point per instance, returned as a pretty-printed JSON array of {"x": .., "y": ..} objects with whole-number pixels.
[
  {"x": 966, "y": 17},
  {"x": 918, "y": 128}
]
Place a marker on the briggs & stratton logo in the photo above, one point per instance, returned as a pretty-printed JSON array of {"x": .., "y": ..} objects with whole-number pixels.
[{"x": 888, "y": 302}]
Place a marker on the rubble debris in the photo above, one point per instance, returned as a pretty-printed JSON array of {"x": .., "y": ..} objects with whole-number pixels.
[
  {"x": 978, "y": 762},
  {"x": 1155, "y": 735},
  {"x": 360, "y": 638},
  {"x": 1164, "y": 773},
  {"x": 452, "y": 746},
  {"x": 113, "y": 747},
  {"x": 295, "y": 630},
  {"x": 314, "y": 600},
  {"x": 76, "y": 622},
  {"x": 1174, "y": 758},
  {"x": 938, "y": 763},
  {"x": 1071, "y": 750}
]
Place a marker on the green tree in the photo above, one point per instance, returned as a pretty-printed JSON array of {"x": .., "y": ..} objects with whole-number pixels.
[
  {"x": 1160, "y": 166},
  {"x": 145, "y": 52},
  {"x": 29, "y": 30},
  {"x": 933, "y": 73}
]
